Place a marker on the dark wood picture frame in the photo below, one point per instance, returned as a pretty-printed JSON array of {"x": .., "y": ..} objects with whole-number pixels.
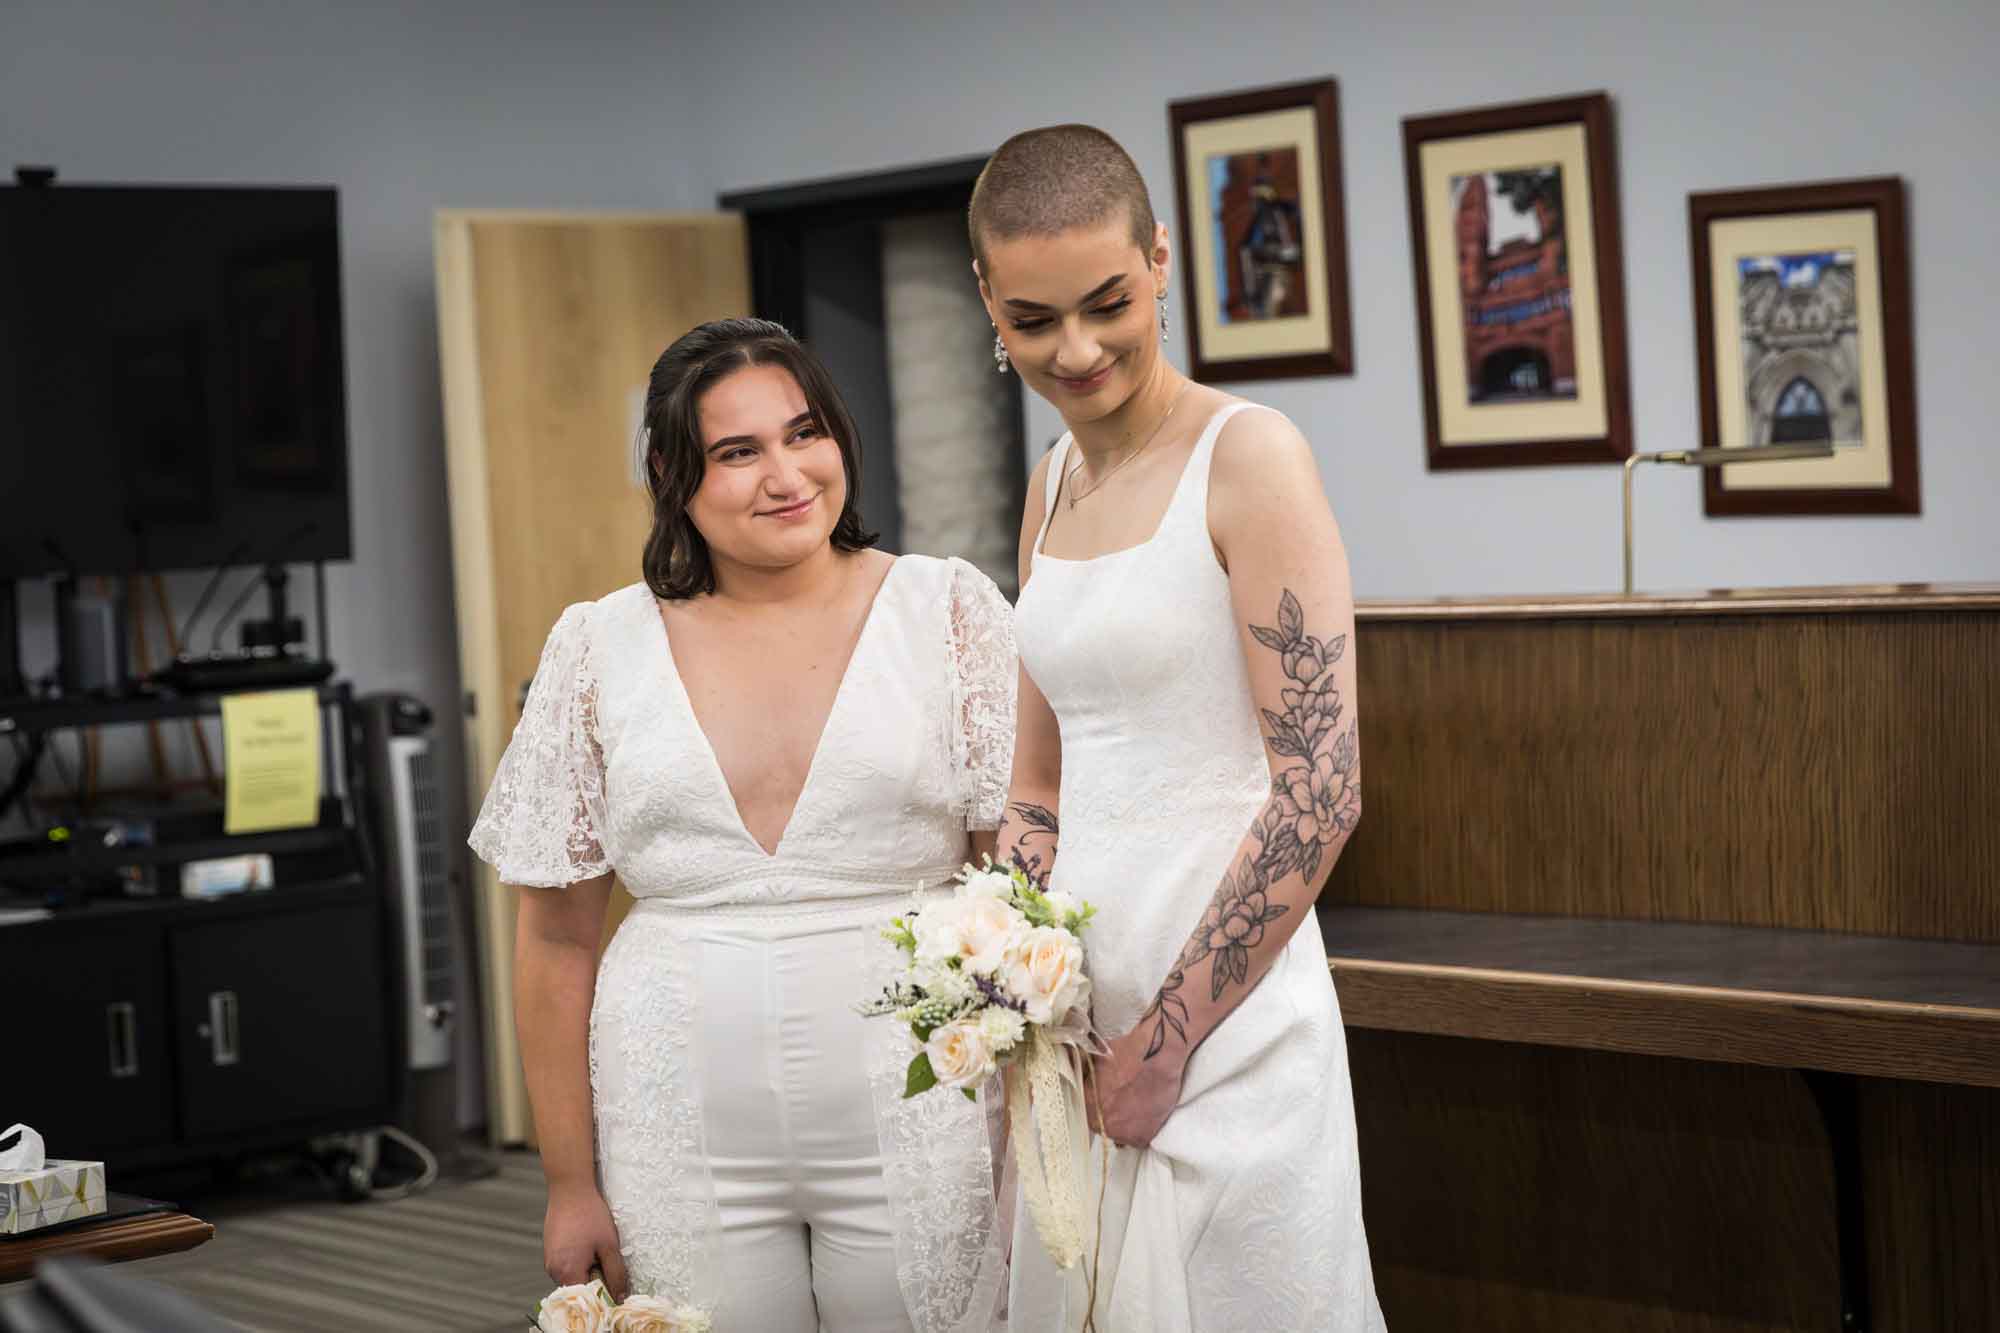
[
  {"x": 1884, "y": 197},
  {"x": 1337, "y": 357},
  {"x": 1591, "y": 111}
]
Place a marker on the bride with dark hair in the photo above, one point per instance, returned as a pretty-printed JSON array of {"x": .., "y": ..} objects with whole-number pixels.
[{"x": 768, "y": 740}]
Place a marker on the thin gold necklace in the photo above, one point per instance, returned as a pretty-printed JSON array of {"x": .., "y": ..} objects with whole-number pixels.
[{"x": 1075, "y": 495}]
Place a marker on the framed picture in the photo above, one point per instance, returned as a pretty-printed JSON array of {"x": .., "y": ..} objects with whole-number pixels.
[
  {"x": 1802, "y": 335},
  {"x": 1263, "y": 233},
  {"x": 1520, "y": 284}
]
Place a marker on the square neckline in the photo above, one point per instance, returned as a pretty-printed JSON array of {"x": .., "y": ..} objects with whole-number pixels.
[{"x": 1213, "y": 424}]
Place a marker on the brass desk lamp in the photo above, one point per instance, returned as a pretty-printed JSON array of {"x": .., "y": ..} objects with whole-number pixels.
[{"x": 1757, "y": 453}]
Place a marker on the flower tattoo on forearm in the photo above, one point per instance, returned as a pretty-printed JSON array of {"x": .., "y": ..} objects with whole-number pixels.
[
  {"x": 1036, "y": 831},
  {"x": 1315, "y": 802}
]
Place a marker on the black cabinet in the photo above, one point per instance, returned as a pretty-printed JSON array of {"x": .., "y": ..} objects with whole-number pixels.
[
  {"x": 278, "y": 1019},
  {"x": 148, "y": 1033},
  {"x": 86, "y": 1050}
]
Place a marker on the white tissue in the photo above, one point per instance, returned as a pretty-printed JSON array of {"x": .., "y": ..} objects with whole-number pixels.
[{"x": 25, "y": 1155}]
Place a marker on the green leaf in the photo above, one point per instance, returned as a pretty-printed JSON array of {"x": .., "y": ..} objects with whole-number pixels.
[
  {"x": 921, "y": 1077},
  {"x": 970, "y": 1095}
]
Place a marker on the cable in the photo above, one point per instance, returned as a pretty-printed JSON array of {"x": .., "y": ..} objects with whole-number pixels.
[
  {"x": 425, "y": 1157},
  {"x": 235, "y": 607},
  {"x": 25, "y": 768},
  {"x": 214, "y": 581}
]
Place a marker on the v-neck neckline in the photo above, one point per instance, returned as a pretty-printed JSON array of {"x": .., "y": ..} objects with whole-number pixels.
[{"x": 721, "y": 778}]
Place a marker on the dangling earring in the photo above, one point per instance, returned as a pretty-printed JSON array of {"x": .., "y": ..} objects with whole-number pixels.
[
  {"x": 1000, "y": 362},
  {"x": 1162, "y": 298}
]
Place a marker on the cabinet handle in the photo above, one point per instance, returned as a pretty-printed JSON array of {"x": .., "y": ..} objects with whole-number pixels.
[
  {"x": 123, "y": 1022},
  {"x": 221, "y": 1027}
]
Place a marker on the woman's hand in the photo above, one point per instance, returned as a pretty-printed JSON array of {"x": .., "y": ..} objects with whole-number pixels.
[
  {"x": 578, "y": 1235},
  {"x": 1133, "y": 1095}
]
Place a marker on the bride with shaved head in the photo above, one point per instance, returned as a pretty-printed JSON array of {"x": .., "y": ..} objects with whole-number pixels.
[{"x": 1186, "y": 758}]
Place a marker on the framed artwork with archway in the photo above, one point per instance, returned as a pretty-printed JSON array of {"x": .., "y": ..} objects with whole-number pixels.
[
  {"x": 1802, "y": 335},
  {"x": 1520, "y": 284}
]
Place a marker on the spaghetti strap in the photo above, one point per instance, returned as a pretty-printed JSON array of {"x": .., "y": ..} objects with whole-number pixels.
[{"x": 1052, "y": 486}]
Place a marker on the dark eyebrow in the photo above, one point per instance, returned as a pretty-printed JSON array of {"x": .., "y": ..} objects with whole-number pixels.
[
  {"x": 1089, "y": 296},
  {"x": 804, "y": 418}
]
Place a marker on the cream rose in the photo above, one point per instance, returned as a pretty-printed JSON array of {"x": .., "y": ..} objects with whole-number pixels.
[
  {"x": 975, "y": 931},
  {"x": 961, "y": 1056},
  {"x": 1045, "y": 972},
  {"x": 650, "y": 1314},
  {"x": 990, "y": 928},
  {"x": 584, "y": 1307}
]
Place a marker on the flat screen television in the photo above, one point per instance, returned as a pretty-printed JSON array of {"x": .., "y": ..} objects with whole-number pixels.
[{"x": 172, "y": 394}]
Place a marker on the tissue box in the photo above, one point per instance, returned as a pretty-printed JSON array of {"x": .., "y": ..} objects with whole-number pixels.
[{"x": 61, "y": 1191}]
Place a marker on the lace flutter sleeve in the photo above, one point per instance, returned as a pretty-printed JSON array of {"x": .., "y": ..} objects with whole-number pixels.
[
  {"x": 541, "y": 825},
  {"x": 985, "y": 677}
]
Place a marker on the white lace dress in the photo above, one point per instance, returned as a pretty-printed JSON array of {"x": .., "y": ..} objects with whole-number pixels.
[
  {"x": 1245, "y": 1212},
  {"x": 609, "y": 770}
]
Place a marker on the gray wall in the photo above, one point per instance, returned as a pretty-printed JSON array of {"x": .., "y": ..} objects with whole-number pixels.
[{"x": 1706, "y": 95}]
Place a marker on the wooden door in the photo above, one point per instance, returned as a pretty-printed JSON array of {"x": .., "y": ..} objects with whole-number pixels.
[{"x": 549, "y": 324}]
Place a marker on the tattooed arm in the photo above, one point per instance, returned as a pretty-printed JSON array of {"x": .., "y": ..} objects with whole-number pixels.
[
  {"x": 1288, "y": 579},
  {"x": 1028, "y": 826}
]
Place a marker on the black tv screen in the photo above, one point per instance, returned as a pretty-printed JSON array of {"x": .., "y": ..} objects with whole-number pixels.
[{"x": 171, "y": 387}]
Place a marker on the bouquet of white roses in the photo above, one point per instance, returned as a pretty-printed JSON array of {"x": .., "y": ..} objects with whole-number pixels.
[
  {"x": 993, "y": 981},
  {"x": 587, "y": 1307}
]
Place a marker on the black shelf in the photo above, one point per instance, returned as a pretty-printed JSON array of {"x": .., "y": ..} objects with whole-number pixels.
[{"x": 27, "y": 716}]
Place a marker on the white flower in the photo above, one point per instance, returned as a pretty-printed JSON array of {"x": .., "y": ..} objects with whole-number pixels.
[
  {"x": 1045, "y": 972},
  {"x": 1062, "y": 904},
  {"x": 987, "y": 884},
  {"x": 976, "y": 931},
  {"x": 937, "y": 930},
  {"x": 650, "y": 1314},
  {"x": 961, "y": 1056},
  {"x": 584, "y": 1307},
  {"x": 944, "y": 984},
  {"x": 1002, "y": 1027}
]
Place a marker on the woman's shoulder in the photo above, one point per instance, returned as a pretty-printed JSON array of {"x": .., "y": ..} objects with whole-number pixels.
[
  {"x": 951, "y": 585},
  {"x": 1260, "y": 446},
  {"x": 584, "y": 623},
  {"x": 1263, "y": 470}
]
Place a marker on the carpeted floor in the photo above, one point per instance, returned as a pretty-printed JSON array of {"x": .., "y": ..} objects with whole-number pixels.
[{"x": 458, "y": 1258}]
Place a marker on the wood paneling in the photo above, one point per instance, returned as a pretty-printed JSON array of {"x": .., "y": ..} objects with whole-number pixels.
[
  {"x": 1774, "y": 764},
  {"x": 1931, "y": 1180},
  {"x": 1827, "y": 771},
  {"x": 1523, "y": 1189}
]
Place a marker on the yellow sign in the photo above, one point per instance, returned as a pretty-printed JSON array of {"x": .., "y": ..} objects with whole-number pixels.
[{"x": 271, "y": 767}]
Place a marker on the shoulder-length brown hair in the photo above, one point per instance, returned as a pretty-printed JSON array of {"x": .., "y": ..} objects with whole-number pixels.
[{"x": 677, "y": 561}]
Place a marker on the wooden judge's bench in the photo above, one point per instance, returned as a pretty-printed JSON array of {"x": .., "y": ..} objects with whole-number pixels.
[{"x": 1669, "y": 950}]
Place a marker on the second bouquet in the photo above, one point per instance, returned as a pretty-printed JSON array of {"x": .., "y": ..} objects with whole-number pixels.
[{"x": 993, "y": 980}]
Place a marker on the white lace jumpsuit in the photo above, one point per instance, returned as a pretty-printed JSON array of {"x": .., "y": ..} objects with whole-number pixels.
[{"x": 751, "y": 1139}]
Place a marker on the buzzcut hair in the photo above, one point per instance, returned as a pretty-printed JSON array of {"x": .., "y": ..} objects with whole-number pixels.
[{"x": 1051, "y": 180}]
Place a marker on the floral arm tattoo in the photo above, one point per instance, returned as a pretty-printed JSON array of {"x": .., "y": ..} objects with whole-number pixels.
[
  {"x": 1315, "y": 803},
  {"x": 1034, "y": 831}
]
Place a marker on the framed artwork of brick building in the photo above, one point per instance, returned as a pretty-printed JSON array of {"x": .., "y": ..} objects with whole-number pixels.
[
  {"x": 1520, "y": 284},
  {"x": 1263, "y": 233},
  {"x": 1802, "y": 335}
]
